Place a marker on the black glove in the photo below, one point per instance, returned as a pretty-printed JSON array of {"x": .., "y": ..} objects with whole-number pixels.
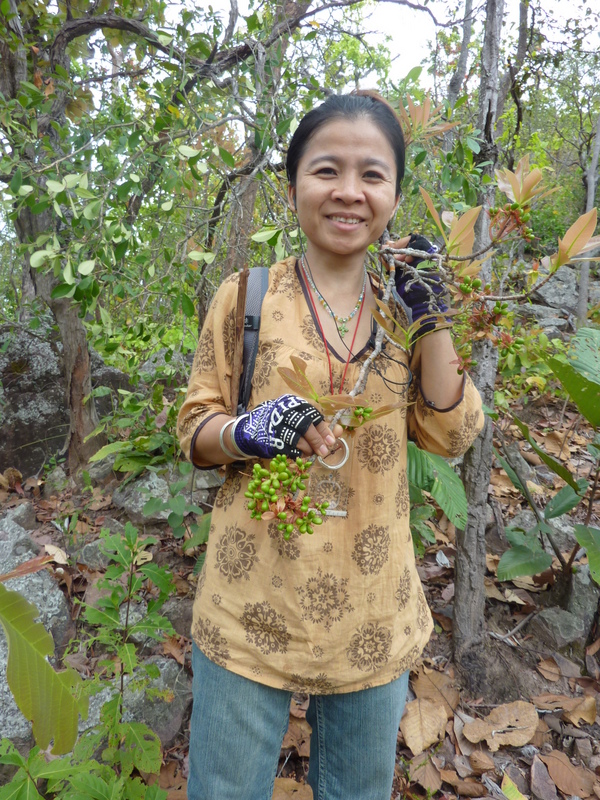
[{"x": 275, "y": 426}]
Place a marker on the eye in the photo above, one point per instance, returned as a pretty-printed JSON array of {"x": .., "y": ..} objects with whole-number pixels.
[
  {"x": 326, "y": 171},
  {"x": 373, "y": 175}
]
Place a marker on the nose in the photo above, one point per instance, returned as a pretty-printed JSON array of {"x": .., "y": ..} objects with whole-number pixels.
[{"x": 348, "y": 188}]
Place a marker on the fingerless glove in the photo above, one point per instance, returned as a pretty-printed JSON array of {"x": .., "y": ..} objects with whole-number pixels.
[{"x": 275, "y": 426}]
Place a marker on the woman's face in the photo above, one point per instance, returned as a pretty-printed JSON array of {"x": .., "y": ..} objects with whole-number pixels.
[{"x": 345, "y": 187}]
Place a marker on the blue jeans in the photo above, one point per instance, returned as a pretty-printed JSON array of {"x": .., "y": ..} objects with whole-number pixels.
[{"x": 238, "y": 726}]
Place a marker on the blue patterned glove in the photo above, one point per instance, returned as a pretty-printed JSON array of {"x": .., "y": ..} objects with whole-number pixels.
[
  {"x": 414, "y": 294},
  {"x": 275, "y": 426}
]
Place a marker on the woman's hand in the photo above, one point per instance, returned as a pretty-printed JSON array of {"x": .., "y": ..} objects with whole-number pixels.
[
  {"x": 288, "y": 425},
  {"x": 423, "y": 295}
]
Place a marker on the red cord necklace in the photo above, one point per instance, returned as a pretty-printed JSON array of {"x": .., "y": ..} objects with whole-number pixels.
[{"x": 313, "y": 304}]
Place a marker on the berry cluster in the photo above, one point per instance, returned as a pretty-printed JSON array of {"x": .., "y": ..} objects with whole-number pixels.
[
  {"x": 275, "y": 493},
  {"x": 470, "y": 285},
  {"x": 509, "y": 218}
]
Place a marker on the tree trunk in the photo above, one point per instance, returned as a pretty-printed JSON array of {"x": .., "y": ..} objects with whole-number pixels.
[
  {"x": 457, "y": 80},
  {"x": 469, "y": 600},
  {"x": 584, "y": 272},
  {"x": 76, "y": 357},
  {"x": 28, "y": 226}
]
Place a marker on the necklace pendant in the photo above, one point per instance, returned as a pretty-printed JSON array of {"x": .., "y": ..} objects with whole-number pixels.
[{"x": 343, "y": 329}]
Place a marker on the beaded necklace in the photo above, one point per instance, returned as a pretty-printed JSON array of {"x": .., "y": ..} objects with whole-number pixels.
[
  {"x": 351, "y": 348},
  {"x": 340, "y": 322}
]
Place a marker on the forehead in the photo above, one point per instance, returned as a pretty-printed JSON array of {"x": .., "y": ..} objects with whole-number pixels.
[{"x": 342, "y": 137}]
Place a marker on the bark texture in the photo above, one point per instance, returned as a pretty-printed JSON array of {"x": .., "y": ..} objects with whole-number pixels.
[
  {"x": 469, "y": 635},
  {"x": 591, "y": 184}
]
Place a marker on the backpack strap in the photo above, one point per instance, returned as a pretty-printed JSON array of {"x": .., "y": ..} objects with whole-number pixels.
[{"x": 258, "y": 283}]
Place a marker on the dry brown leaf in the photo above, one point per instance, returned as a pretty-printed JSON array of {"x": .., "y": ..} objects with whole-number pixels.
[
  {"x": 423, "y": 724},
  {"x": 510, "y": 724},
  {"x": 593, "y": 648},
  {"x": 172, "y": 647},
  {"x": 298, "y": 736},
  {"x": 569, "y": 778},
  {"x": 542, "y": 785},
  {"x": 513, "y": 597},
  {"x": 549, "y": 669},
  {"x": 465, "y": 788},
  {"x": 491, "y": 562},
  {"x": 437, "y": 687},
  {"x": 597, "y": 789},
  {"x": 288, "y": 787},
  {"x": 466, "y": 747},
  {"x": 463, "y": 766},
  {"x": 3, "y": 482},
  {"x": 584, "y": 708},
  {"x": 543, "y": 735},
  {"x": 492, "y": 591},
  {"x": 481, "y": 762},
  {"x": 550, "y": 702},
  {"x": 423, "y": 771}
]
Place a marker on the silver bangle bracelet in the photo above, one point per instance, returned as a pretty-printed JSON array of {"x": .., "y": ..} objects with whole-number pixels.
[{"x": 235, "y": 456}]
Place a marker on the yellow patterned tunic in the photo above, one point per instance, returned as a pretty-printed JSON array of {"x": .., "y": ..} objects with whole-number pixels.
[{"x": 343, "y": 609}]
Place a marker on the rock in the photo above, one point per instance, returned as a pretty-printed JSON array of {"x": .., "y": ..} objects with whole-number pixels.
[
  {"x": 164, "y": 716},
  {"x": 205, "y": 483},
  {"x": 23, "y": 515},
  {"x": 158, "y": 368},
  {"x": 560, "y": 291},
  {"x": 113, "y": 378},
  {"x": 179, "y": 610},
  {"x": 133, "y": 497},
  {"x": 42, "y": 590},
  {"x": 558, "y": 628},
  {"x": 99, "y": 471},
  {"x": 35, "y": 417},
  {"x": 564, "y": 531},
  {"x": 35, "y": 413},
  {"x": 584, "y": 596},
  {"x": 91, "y": 555},
  {"x": 56, "y": 482}
]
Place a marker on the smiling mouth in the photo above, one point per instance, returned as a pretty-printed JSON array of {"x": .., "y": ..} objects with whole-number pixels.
[{"x": 345, "y": 220}]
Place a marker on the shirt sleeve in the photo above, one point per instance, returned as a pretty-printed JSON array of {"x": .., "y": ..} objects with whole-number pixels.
[
  {"x": 448, "y": 432},
  {"x": 209, "y": 386}
]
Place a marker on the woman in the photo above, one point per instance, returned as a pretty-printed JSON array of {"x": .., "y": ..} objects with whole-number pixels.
[{"x": 339, "y": 615}]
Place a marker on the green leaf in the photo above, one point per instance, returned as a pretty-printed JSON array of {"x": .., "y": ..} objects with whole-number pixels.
[
  {"x": 86, "y": 267},
  {"x": 113, "y": 447},
  {"x": 584, "y": 353},
  {"x": 227, "y": 158},
  {"x": 433, "y": 474},
  {"x": 520, "y": 561},
  {"x": 187, "y": 305},
  {"x": 556, "y": 467},
  {"x": 200, "y": 536},
  {"x": 54, "y": 187},
  {"x": 589, "y": 538},
  {"x": 20, "y": 788},
  {"x": 153, "y": 505},
  {"x": 565, "y": 500},
  {"x": 44, "y": 696},
  {"x": 10, "y": 755},
  {"x": 128, "y": 656},
  {"x": 159, "y": 577},
  {"x": 16, "y": 181},
  {"x": 63, "y": 290},
  {"x": 583, "y": 392},
  {"x": 265, "y": 234},
  {"x": 188, "y": 152},
  {"x": 92, "y": 210},
  {"x": 167, "y": 205},
  {"x": 514, "y": 478},
  {"x": 38, "y": 258}
]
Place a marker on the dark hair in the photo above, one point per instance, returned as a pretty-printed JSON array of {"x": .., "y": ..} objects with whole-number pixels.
[{"x": 361, "y": 103}]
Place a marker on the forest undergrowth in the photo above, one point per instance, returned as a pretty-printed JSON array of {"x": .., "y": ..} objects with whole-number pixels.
[{"x": 535, "y": 732}]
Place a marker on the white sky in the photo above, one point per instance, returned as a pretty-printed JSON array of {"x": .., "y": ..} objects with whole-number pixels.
[{"x": 412, "y": 30}]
